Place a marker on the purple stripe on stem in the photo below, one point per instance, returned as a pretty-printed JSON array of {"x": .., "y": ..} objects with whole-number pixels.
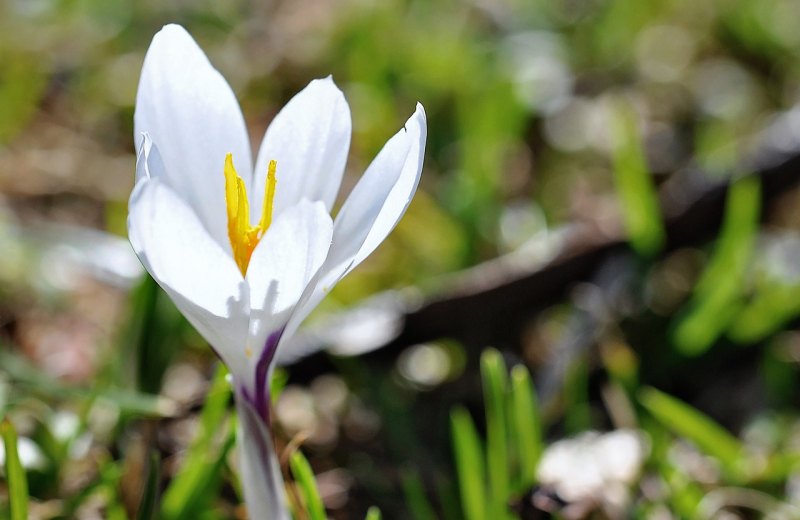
[{"x": 261, "y": 399}]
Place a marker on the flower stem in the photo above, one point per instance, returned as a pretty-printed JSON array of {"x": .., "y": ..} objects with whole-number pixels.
[{"x": 260, "y": 472}]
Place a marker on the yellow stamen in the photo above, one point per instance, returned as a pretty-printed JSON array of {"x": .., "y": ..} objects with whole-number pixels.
[
  {"x": 244, "y": 237},
  {"x": 269, "y": 196}
]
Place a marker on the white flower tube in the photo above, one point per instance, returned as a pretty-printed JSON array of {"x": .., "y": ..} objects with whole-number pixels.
[{"x": 246, "y": 253}]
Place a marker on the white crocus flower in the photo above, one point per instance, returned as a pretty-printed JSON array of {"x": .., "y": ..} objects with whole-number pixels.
[{"x": 247, "y": 252}]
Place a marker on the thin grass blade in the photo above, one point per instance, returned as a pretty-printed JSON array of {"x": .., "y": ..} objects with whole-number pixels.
[
  {"x": 148, "y": 505},
  {"x": 193, "y": 485},
  {"x": 718, "y": 295},
  {"x": 494, "y": 376},
  {"x": 695, "y": 426},
  {"x": 469, "y": 464},
  {"x": 304, "y": 477},
  {"x": 415, "y": 497},
  {"x": 15, "y": 473},
  {"x": 639, "y": 204},
  {"x": 526, "y": 420}
]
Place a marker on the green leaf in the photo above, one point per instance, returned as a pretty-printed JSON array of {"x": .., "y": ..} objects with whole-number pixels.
[
  {"x": 106, "y": 485},
  {"x": 15, "y": 473},
  {"x": 686, "y": 421},
  {"x": 718, "y": 295},
  {"x": 773, "y": 304},
  {"x": 576, "y": 396},
  {"x": 23, "y": 373},
  {"x": 373, "y": 514},
  {"x": 280, "y": 377},
  {"x": 194, "y": 485},
  {"x": 138, "y": 403},
  {"x": 527, "y": 424},
  {"x": 685, "y": 495},
  {"x": 449, "y": 500},
  {"x": 110, "y": 475},
  {"x": 416, "y": 500},
  {"x": 469, "y": 464},
  {"x": 148, "y": 505},
  {"x": 494, "y": 376},
  {"x": 639, "y": 204},
  {"x": 304, "y": 477},
  {"x": 151, "y": 337}
]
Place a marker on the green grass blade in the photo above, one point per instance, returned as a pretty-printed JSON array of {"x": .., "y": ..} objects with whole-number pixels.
[
  {"x": 576, "y": 396},
  {"x": 494, "y": 376},
  {"x": 198, "y": 500},
  {"x": 150, "y": 338},
  {"x": 15, "y": 473},
  {"x": 115, "y": 508},
  {"x": 148, "y": 505},
  {"x": 279, "y": 379},
  {"x": 718, "y": 295},
  {"x": 191, "y": 488},
  {"x": 416, "y": 500},
  {"x": 304, "y": 477},
  {"x": 107, "y": 486},
  {"x": 527, "y": 424},
  {"x": 22, "y": 373},
  {"x": 136, "y": 403},
  {"x": 469, "y": 464},
  {"x": 773, "y": 304},
  {"x": 373, "y": 514},
  {"x": 686, "y": 421},
  {"x": 447, "y": 496},
  {"x": 639, "y": 204}
]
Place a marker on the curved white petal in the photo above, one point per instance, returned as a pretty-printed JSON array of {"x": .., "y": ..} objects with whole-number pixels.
[
  {"x": 281, "y": 267},
  {"x": 190, "y": 111},
  {"x": 371, "y": 212},
  {"x": 309, "y": 139},
  {"x": 382, "y": 195},
  {"x": 193, "y": 269}
]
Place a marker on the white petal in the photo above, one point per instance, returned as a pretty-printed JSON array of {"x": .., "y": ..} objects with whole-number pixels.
[
  {"x": 260, "y": 473},
  {"x": 382, "y": 195},
  {"x": 191, "y": 113},
  {"x": 372, "y": 210},
  {"x": 193, "y": 269},
  {"x": 309, "y": 139},
  {"x": 282, "y": 264}
]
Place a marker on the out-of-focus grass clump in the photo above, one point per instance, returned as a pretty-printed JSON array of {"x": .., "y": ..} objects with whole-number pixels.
[{"x": 662, "y": 384}]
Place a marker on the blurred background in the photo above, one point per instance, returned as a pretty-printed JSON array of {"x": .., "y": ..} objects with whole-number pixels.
[{"x": 609, "y": 200}]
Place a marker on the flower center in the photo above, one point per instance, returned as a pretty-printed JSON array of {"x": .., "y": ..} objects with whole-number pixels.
[{"x": 244, "y": 237}]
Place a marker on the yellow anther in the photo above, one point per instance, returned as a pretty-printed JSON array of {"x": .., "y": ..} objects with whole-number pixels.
[
  {"x": 269, "y": 196},
  {"x": 244, "y": 237}
]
